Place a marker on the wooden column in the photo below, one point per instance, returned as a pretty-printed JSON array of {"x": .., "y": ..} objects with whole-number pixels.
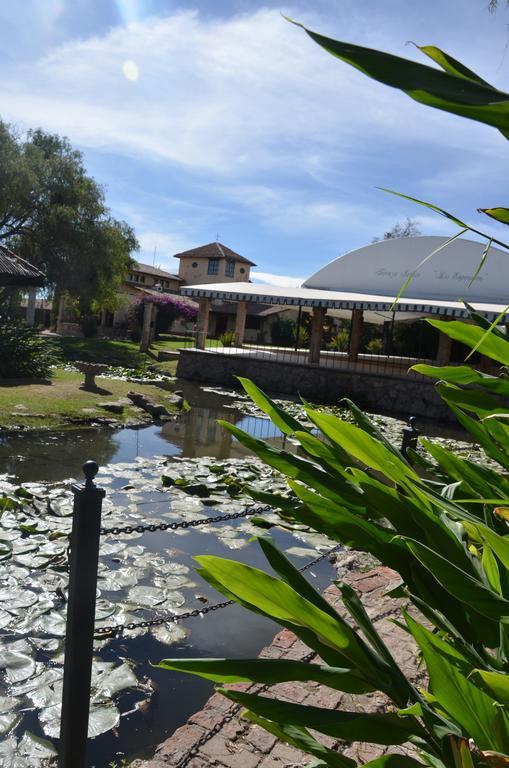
[
  {"x": 355, "y": 335},
  {"x": 202, "y": 324},
  {"x": 315, "y": 342},
  {"x": 240, "y": 323},
  {"x": 444, "y": 349},
  {"x": 32, "y": 294}
]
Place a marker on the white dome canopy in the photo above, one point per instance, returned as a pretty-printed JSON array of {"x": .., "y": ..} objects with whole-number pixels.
[{"x": 382, "y": 268}]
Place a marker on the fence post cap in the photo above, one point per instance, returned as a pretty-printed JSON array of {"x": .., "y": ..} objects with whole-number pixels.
[{"x": 90, "y": 470}]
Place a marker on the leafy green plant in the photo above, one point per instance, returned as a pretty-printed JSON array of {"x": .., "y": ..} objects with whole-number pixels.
[
  {"x": 24, "y": 353},
  {"x": 227, "y": 339},
  {"x": 443, "y": 533},
  {"x": 340, "y": 341},
  {"x": 442, "y": 524},
  {"x": 375, "y": 346}
]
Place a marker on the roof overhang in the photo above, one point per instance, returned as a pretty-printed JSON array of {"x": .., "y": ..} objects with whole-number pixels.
[{"x": 377, "y": 306}]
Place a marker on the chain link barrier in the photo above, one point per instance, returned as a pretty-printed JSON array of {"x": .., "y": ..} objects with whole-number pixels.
[
  {"x": 126, "y": 529},
  {"x": 118, "y": 629}
]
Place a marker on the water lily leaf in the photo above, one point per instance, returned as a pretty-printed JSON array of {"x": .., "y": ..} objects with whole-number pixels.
[
  {"x": 18, "y": 666},
  {"x": 109, "y": 681},
  {"x": 35, "y": 748},
  {"x": 102, "y": 719},
  {"x": 169, "y": 634},
  {"x": 146, "y": 597},
  {"x": 18, "y": 598}
]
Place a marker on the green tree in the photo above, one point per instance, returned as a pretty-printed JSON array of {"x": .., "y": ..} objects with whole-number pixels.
[{"x": 55, "y": 215}]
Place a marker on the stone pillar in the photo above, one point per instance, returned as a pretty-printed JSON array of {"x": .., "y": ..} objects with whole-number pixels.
[
  {"x": 32, "y": 295},
  {"x": 315, "y": 341},
  {"x": 355, "y": 335},
  {"x": 444, "y": 349},
  {"x": 240, "y": 323},
  {"x": 103, "y": 318},
  {"x": 146, "y": 327},
  {"x": 202, "y": 324}
]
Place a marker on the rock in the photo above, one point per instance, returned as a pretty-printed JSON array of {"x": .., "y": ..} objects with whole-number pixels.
[{"x": 113, "y": 407}]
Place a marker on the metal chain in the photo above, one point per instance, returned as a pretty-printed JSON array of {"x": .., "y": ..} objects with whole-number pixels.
[
  {"x": 126, "y": 529},
  {"x": 118, "y": 629}
]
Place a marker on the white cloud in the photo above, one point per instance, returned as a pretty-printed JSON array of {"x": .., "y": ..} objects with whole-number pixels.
[
  {"x": 231, "y": 95},
  {"x": 269, "y": 278}
]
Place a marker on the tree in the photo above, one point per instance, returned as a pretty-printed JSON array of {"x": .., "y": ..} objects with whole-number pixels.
[
  {"x": 407, "y": 228},
  {"x": 55, "y": 215}
]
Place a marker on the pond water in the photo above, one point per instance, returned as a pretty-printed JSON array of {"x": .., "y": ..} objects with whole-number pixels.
[
  {"x": 140, "y": 576},
  {"x": 134, "y": 570}
]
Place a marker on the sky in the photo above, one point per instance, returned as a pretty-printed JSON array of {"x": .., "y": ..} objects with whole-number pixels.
[{"x": 217, "y": 119}]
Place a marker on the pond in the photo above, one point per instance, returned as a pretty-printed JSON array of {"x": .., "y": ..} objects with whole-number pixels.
[{"x": 140, "y": 575}]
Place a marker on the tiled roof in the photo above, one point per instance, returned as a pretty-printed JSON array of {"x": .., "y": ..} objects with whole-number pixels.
[
  {"x": 16, "y": 271},
  {"x": 147, "y": 269},
  {"x": 213, "y": 251}
]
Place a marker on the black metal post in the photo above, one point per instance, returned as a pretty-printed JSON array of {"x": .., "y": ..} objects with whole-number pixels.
[
  {"x": 410, "y": 435},
  {"x": 297, "y": 335},
  {"x": 79, "y": 636}
]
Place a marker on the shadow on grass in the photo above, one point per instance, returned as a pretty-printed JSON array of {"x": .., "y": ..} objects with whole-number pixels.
[
  {"x": 95, "y": 390},
  {"x": 24, "y": 382}
]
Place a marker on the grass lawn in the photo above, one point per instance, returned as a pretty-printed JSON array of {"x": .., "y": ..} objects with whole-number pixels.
[
  {"x": 61, "y": 401},
  {"x": 124, "y": 354}
]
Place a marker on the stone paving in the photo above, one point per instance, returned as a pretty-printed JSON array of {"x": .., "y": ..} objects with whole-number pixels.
[{"x": 218, "y": 736}]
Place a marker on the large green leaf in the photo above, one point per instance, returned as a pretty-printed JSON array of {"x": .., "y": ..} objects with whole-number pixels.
[
  {"x": 282, "y": 603},
  {"x": 472, "y": 400},
  {"x": 350, "y": 529},
  {"x": 461, "y": 585},
  {"x": 290, "y": 465},
  {"x": 350, "y": 726},
  {"x": 450, "y": 64},
  {"x": 299, "y": 737},
  {"x": 369, "y": 426},
  {"x": 481, "y": 434},
  {"x": 494, "y": 683},
  {"x": 492, "y": 346},
  {"x": 363, "y": 447},
  {"x": 432, "y": 87},
  {"x": 283, "y": 420},
  {"x": 268, "y": 671},
  {"x": 499, "y": 544},
  {"x": 465, "y": 703},
  {"x": 499, "y": 214},
  {"x": 464, "y": 375}
]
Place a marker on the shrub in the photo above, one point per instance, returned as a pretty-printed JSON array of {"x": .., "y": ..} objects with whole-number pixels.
[
  {"x": 24, "y": 353},
  {"x": 375, "y": 346},
  {"x": 170, "y": 308},
  {"x": 341, "y": 341},
  {"x": 227, "y": 339}
]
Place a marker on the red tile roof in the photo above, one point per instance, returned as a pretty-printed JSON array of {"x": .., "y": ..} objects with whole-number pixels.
[
  {"x": 147, "y": 269},
  {"x": 213, "y": 251}
]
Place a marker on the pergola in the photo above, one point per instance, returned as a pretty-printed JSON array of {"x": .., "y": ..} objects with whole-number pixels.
[
  {"x": 362, "y": 286},
  {"x": 16, "y": 272}
]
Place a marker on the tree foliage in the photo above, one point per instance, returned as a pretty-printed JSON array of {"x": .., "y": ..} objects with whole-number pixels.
[
  {"x": 407, "y": 228},
  {"x": 53, "y": 214}
]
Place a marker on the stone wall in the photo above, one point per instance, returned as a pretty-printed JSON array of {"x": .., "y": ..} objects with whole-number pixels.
[{"x": 373, "y": 392}]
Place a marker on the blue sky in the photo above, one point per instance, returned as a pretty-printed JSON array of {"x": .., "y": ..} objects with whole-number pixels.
[{"x": 237, "y": 125}]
